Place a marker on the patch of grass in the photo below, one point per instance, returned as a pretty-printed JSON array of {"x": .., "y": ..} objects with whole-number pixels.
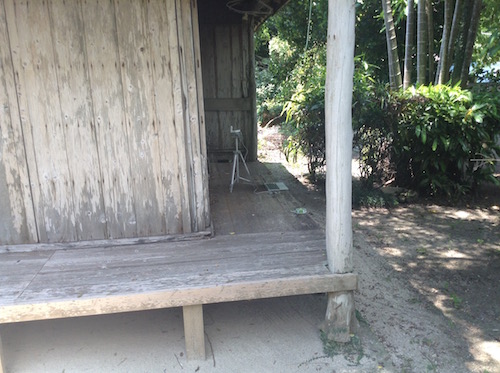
[
  {"x": 421, "y": 251},
  {"x": 457, "y": 301},
  {"x": 360, "y": 317},
  {"x": 431, "y": 367},
  {"x": 446, "y": 286},
  {"x": 352, "y": 350},
  {"x": 427, "y": 342}
]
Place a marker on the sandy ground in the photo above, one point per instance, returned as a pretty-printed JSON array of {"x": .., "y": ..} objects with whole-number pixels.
[
  {"x": 275, "y": 335},
  {"x": 428, "y": 301}
]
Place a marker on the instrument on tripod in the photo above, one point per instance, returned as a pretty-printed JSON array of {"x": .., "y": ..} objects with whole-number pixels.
[{"x": 236, "y": 177}]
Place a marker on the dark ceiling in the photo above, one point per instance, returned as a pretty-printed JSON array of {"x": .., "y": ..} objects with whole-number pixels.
[{"x": 234, "y": 11}]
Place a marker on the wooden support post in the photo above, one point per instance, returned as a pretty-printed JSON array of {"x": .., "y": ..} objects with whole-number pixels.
[
  {"x": 2, "y": 363},
  {"x": 340, "y": 320},
  {"x": 194, "y": 332},
  {"x": 338, "y": 136}
]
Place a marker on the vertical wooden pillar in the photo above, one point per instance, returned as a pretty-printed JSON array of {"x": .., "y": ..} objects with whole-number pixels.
[
  {"x": 194, "y": 332},
  {"x": 2, "y": 362},
  {"x": 338, "y": 132}
]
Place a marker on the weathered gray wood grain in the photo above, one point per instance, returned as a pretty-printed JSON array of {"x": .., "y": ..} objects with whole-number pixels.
[
  {"x": 145, "y": 153},
  {"x": 185, "y": 54},
  {"x": 78, "y": 282},
  {"x": 162, "y": 72},
  {"x": 17, "y": 219},
  {"x": 70, "y": 60},
  {"x": 110, "y": 121},
  {"x": 180, "y": 98},
  {"x": 47, "y": 159},
  {"x": 17, "y": 270},
  {"x": 204, "y": 207},
  {"x": 194, "y": 331}
]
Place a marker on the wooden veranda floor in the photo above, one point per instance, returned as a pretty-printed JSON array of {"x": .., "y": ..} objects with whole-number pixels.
[
  {"x": 261, "y": 248},
  {"x": 251, "y": 208}
]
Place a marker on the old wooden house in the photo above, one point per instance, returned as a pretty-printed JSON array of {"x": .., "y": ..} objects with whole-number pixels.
[{"x": 109, "y": 112}]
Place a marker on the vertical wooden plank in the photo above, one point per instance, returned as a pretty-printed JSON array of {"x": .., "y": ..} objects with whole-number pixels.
[
  {"x": 205, "y": 213},
  {"x": 175, "y": 38},
  {"x": 2, "y": 360},
  {"x": 77, "y": 117},
  {"x": 223, "y": 76},
  {"x": 209, "y": 83},
  {"x": 236, "y": 61},
  {"x": 207, "y": 41},
  {"x": 144, "y": 153},
  {"x": 43, "y": 128},
  {"x": 165, "y": 63},
  {"x": 237, "y": 117},
  {"x": 111, "y": 128},
  {"x": 223, "y": 60},
  {"x": 252, "y": 137},
  {"x": 190, "y": 108},
  {"x": 246, "y": 57},
  {"x": 194, "y": 119},
  {"x": 194, "y": 332},
  {"x": 17, "y": 221}
]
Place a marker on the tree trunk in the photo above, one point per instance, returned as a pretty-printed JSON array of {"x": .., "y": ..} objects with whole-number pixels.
[
  {"x": 462, "y": 40},
  {"x": 409, "y": 43},
  {"x": 471, "y": 39},
  {"x": 392, "y": 47},
  {"x": 443, "y": 52},
  {"x": 338, "y": 136},
  {"x": 421, "y": 42},
  {"x": 455, "y": 26},
  {"x": 430, "y": 40}
]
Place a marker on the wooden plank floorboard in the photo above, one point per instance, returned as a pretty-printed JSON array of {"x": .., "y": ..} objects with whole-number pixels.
[
  {"x": 250, "y": 208},
  {"x": 77, "y": 273},
  {"x": 221, "y": 247},
  {"x": 17, "y": 271},
  {"x": 134, "y": 276}
]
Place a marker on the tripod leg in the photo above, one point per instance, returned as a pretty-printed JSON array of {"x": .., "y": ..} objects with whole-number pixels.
[
  {"x": 245, "y": 164},
  {"x": 233, "y": 180}
]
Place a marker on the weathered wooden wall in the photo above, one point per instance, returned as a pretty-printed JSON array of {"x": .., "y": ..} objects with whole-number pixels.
[
  {"x": 229, "y": 84},
  {"x": 102, "y": 121}
]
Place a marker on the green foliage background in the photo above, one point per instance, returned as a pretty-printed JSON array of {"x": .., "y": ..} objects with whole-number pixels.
[{"x": 423, "y": 138}]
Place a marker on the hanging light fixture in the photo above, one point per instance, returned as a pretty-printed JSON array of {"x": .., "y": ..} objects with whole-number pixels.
[{"x": 250, "y": 7}]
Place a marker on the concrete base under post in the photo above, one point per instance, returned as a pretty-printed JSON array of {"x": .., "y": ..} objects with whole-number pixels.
[{"x": 340, "y": 321}]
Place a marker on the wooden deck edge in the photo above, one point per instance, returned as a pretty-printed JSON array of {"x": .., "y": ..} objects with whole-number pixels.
[
  {"x": 105, "y": 243},
  {"x": 300, "y": 285}
]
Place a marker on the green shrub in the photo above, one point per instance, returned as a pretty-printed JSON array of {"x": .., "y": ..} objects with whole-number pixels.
[
  {"x": 304, "y": 127},
  {"x": 372, "y": 122},
  {"x": 429, "y": 138},
  {"x": 440, "y": 131}
]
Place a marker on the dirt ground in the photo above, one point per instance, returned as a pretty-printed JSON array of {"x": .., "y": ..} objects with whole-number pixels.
[{"x": 429, "y": 294}]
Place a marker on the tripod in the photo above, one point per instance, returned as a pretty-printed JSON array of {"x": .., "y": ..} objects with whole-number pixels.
[{"x": 235, "y": 178}]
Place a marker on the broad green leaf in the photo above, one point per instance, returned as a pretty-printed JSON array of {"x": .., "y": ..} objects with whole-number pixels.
[
  {"x": 418, "y": 130},
  {"x": 446, "y": 142},
  {"x": 435, "y": 145}
]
